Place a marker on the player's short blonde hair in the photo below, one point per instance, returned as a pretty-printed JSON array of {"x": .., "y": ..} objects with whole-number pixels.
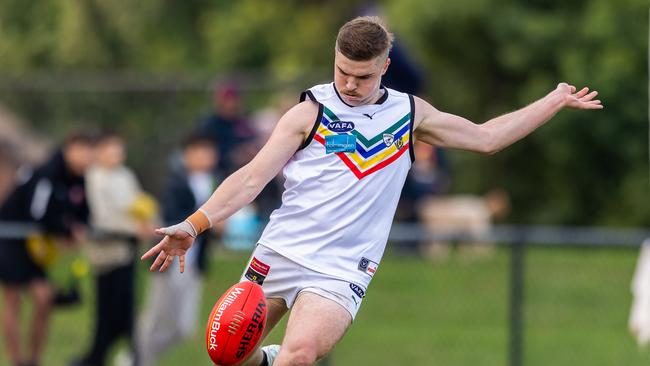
[{"x": 364, "y": 38}]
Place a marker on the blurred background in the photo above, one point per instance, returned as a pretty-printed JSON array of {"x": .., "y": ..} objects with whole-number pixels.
[{"x": 160, "y": 74}]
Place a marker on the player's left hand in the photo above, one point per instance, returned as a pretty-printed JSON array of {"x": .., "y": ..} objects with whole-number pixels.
[
  {"x": 582, "y": 99},
  {"x": 178, "y": 239}
]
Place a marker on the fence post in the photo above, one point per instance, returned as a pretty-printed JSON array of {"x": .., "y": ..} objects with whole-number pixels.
[{"x": 517, "y": 257}]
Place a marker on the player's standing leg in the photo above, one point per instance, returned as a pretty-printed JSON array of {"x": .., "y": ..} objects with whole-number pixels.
[{"x": 315, "y": 325}]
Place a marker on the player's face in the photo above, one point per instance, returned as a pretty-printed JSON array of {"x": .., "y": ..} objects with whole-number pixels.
[{"x": 358, "y": 81}]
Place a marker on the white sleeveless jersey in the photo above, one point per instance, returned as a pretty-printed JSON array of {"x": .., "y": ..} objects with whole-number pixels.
[{"x": 343, "y": 185}]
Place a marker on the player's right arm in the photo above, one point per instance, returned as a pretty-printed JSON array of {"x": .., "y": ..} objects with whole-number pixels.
[{"x": 240, "y": 188}]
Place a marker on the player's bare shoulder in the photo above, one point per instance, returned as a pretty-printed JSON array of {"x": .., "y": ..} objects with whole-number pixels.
[
  {"x": 423, "y": 110},
  {"x": 292, "y": 129},
  {"x": 301, "y": 117}
]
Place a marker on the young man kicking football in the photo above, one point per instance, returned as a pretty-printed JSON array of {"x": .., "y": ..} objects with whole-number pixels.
[{"x": 345, "y": 151}]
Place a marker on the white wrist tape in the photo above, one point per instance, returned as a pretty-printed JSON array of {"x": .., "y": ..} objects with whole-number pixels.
[{"x": 185, "y": 226}]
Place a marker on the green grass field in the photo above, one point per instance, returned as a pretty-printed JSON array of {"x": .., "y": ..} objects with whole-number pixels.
[{"x": 452, "y": 312}]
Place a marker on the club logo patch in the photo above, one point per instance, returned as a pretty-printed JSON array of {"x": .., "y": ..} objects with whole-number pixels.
[
  {"x": 399, "y": 143},
  {"x": 257, "y": 271},
  {"x": 340, "y": 126},
  {"x": 388, "y": 139},
  {"x": 367, "y": 266}
]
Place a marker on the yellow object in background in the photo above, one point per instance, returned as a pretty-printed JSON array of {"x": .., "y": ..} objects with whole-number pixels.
[
  {"x": 45, "y": 252},
  {"x": 79, "y": 268},
  {"x": 42, "y": 249},
  {"x": 144, "y": 208}
]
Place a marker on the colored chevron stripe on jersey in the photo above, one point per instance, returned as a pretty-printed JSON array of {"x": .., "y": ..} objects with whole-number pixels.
[{"x": 373, "y": 154}]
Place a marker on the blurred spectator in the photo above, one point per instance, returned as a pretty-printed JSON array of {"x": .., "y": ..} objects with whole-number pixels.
[
  {"x": 17, "y": 146},
  {"x": 171, "y": 312},
  {"x": 241, "y": 230},
  {"x": 265, "y": 119},
  {"x": 229, "y": 130},
  {"x": 466, "y": 215},
  {"x": 27, "y": 146},
  {"x": 8, "y": 166},
  {"x": 429, "y": 176},
  {"x": 263, "y": 123},
  {"x": 639, "y": 322},
  {"x": 120, "y": 214},
  {"x": 52, "y": 196},
  {"x": 404, "y": 73}
]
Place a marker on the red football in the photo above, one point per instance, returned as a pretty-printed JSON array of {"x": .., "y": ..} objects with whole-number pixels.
[{"x": 236, "y": 323}]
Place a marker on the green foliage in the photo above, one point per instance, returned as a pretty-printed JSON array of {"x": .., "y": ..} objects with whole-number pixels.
[
  {"x": 481, "y": 58},
  {"x": 488, "y": 57}
]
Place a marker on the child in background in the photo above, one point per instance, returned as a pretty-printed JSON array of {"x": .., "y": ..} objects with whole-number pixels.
[
  {"x": 171, "y": 312},
  {"x": 121, "y": 215}
]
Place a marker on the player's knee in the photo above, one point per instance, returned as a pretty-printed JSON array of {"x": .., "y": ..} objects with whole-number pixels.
[
  {"x": 302, "y": 359},
  {"x": 303, "y": 355}
]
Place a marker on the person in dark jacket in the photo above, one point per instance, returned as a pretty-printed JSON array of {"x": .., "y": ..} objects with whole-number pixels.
[
  {"x": 53, "y": 198},
  {"x": 229, "y": 130}
]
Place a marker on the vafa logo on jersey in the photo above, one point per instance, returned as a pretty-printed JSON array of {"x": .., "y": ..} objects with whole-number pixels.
[
  {"x": 340, "y": 126},
  {"x": 358, "y": 290}
]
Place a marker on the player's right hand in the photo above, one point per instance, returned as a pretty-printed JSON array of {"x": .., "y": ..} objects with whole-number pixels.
[{"x": 178, "y": 239}]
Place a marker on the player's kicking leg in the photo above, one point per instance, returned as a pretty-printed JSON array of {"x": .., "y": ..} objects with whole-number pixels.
[
  {"x": 275, "y": 311},
  {"x": 315, "y": 325}
]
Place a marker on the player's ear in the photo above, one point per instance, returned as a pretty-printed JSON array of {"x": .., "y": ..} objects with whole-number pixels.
[{"x": 385, "y": 68}]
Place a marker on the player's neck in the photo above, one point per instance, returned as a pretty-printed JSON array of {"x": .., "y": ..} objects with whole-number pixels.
[{"x": 380, "y": 93}]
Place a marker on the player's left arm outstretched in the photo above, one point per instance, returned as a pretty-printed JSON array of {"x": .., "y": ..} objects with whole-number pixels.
[
  {"x": 447, "y": 130},
  {"x": 239, "y": 189}
]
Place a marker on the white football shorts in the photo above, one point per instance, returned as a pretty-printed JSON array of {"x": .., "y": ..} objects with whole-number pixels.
[{"x": 285, "y": 279}]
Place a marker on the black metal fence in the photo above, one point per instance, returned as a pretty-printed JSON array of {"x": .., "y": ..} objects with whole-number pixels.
[{"x": 517, "y": 238}]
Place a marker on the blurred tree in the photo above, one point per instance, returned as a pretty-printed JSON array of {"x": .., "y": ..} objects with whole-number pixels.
[
  {"x": 487, "y": 57},
  {"x": 483, "y": 58}
]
